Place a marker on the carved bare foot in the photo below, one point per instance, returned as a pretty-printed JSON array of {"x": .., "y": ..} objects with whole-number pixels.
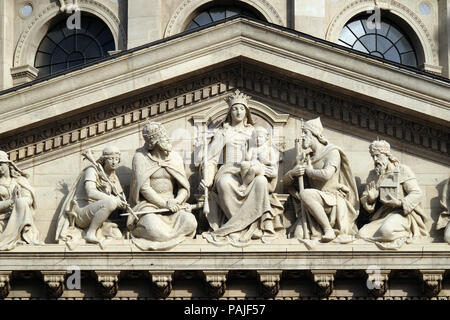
[
  {"x": 328, "y": 236},
  {"x": 91, "y": 238}
]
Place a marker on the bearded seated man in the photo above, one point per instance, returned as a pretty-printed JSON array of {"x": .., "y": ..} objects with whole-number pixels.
[
  {"x": 394, "y": 197},
  {"x": 158, "y": 191}
]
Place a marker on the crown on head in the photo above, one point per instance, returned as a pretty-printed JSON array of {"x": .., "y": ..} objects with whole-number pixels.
[{"x": 237, "y": 97}]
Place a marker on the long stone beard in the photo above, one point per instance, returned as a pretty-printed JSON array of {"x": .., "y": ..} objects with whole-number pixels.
[
  {"x": 380, "y": 168},
  {"x": 166, "y": 147}
]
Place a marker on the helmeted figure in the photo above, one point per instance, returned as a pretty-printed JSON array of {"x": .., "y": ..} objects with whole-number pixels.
[
  {"x": 394, "y": 198},
  {"x": 239, "y": 211},
  {"x": 159, "y": 181},
  {"x": 17, "y": 205},
  {"x": 96, "y": 194},
  {"x": 329, "y": 197}
]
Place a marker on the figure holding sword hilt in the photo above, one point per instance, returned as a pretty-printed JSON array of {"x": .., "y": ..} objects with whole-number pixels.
[{"x": 159, "y": 189}]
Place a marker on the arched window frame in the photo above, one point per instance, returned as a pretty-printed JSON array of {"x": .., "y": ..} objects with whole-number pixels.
[
  {"x": 44, "y": 60},
  {"x": 405, "y": 37}
]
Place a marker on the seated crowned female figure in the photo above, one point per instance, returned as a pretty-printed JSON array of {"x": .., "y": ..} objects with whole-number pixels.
[{"x": 239, "y": 211}]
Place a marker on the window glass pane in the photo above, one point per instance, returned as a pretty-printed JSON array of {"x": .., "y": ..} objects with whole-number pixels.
[
  {"x": 409, "y": 59},
  {"x": 203, "y": 19},
  {"x": 384, "y": 29},
  {"x": 394, "y": 35},
  {"x": 92, "y": 51},
  {"x": 383, "y": 44},
  {"x": 347, "y": 37},
  {"x": 403, "y": 45},
  {"x": 58, "y": 56},
  {"x": 392, "y": 55},
  {"x": 365, "y": 25},
  {"x": 192, "y": 25},
  {"x": 42, "y": 59},
  {"x": 232, "y": 12},
  {"x": 59, "y": 67},
  {"x": 44, "y": 71},
  {"x": 47, "y": 45},
  {"x": 57, "y": 36},
  {"x": 217, "y": 13},
  {"x": 68, "y": 44},
  {"x": 369, "y": 42},
  {"x": 358, "y": 46},
  {"x": 357, "y": 28}
]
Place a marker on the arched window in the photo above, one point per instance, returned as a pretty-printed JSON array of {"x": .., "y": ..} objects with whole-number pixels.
[
  {"x": 215, "y": 13},
  {"x": 63, "y": 48},
  {"x": 389, "y": 41}
]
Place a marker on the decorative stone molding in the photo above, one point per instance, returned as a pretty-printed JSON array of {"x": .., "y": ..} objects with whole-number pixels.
[
  {"x": 377, "y": 282},
  {"x": 188, "y": 7},
  {"x": 162, "y": 283},
  {"x": 109, "y": 283},
  {"x": 23, "y": 74},
  {"x": 54, "y": 283},
  {"x": 38, "y": 26},
  {"x": 414, "y": 21},
  {"x": 5, "y": 283},
  {"x": 297, "y": 97},
  {"x": 270, "y": 282},
  {"x": 216, "y": 282},
  {"x": 432, "y": 282},
  {"x": 324, "y": 282}
]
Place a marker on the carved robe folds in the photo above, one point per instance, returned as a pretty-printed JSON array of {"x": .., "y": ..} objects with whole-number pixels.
[
  {"x": 156, "y": 231},
  {"x": 391, "y": 227}
]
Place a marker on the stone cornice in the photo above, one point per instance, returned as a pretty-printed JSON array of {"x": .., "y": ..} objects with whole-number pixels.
[
  {"x": 288, "y": 94},
  {"x": 302, "y": 57},
  {"x": 196, "y": 254}
]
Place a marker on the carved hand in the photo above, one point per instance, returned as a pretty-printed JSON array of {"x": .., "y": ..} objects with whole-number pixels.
[
  {"x": 395, "y": 203},
  {"x": 297, "y": 171},
  {"x": 173, "y": 205},
  {"x": 205, "y": 184},
  {"x": 372, "y": 192},
  {"x": 270, "y": 172}
]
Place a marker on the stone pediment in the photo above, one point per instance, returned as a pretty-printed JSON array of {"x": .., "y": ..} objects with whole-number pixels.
[{"x": 198, "y": 93}]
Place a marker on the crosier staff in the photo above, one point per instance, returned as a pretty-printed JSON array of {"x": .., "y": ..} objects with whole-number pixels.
[{"x": 87, "y": 154}]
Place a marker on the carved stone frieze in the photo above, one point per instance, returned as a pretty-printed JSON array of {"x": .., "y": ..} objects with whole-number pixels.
[
  {"x": 270, "y": 282},
  {"x": 296, "y": 96},
  {"x": 216, "y": 282},
  {"x": 324, "y": 282},
  {"x": 54, "y": 283},
  {"x": 432, "y": 282},
  {"x": 5, "y": 283},
  {"x": 162, "y": 283},
  {"x": 109, "y": 283},
  {"x": 377, "y": 282}
]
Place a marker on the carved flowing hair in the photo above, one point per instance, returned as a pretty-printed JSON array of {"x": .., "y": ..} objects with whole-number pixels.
[{"x": 382, "y": 146}]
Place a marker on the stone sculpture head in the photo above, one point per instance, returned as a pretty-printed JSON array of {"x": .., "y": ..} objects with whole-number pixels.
[
  {"x": 238, "y": 111},
  {"x": 155, "y": 136},
  {"x": 312, "y": 132},
  {"x": 8, "y": 168},
  {"x": 380, "y": 150},
  {"x": 110, "y": 158},
  {"x": 260, "y": 136}
]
